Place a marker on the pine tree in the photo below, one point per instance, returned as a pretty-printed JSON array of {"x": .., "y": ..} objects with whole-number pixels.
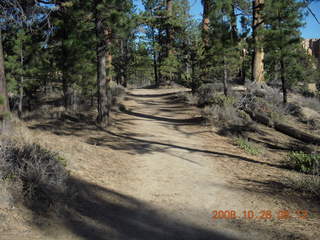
[
  {"x": 22, "y": 14},
  {"x": 108, "y": 20},
  {"x": 284, "y": 18},
  {"x": 222, "y": 53}
]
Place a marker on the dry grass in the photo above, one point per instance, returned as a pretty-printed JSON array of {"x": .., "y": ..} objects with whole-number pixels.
[
  {"x": 223, "y": 116},
  {"x": 188, "y": 98},
  {"x": 310, "y": 102},
  {"x": 35, "y": 175},
  {"x": 306, "y": 183}
]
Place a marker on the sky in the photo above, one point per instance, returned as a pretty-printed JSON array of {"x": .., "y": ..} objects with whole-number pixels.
[{"x": 310, "y": 30}]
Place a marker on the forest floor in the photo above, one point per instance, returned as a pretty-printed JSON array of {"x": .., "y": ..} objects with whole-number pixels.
[{"x": 159, "y": 173}]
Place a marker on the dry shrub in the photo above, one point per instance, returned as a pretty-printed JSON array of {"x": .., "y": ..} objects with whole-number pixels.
[
  {"x": 223, "y": 116},
  {"x": 306, "y": 183},
  {"x": 117, "y": 93},
  {"x": 310, "y": 102},
  {"x": 264, "y": 100},
  {"x": 308, "y": 164},
  {"x": 187, "y": 97},
  {"x": 37, "y": 175},
  {"x": 205, "y": 94}
]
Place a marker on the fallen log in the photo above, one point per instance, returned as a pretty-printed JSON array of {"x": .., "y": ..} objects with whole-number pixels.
[
  {"x": 260, "y": 118},
  {"x": 296, "y": 133},
  {"x": 285, "y": 129}
]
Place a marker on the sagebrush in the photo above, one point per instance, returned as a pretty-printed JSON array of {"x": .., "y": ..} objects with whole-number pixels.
[{"x": 40, "y": 173}]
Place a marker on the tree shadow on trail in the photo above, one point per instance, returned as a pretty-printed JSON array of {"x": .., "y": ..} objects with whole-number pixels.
[
  {"x": 127, "y": 142},
  {"x": 90, "y": 211},
  {"x": 94, "y": 212},
  {"x": 188, "y": 121},
  {"x": 151, "y": 95}
]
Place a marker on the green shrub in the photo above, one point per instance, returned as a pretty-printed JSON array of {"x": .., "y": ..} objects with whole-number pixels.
[
  {"x": 247, "y": 146},
  {"x": 305, "y": 162}
]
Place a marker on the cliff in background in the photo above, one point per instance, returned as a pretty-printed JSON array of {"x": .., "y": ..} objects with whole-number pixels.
[{"x": 313, "y": 47}]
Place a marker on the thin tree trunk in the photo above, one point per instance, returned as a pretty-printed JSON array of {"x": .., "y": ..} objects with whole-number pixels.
[
  {"x": 67, "y": 92},
  {"x": 283, "y": 81},
  {"x": 193, "y": 78},
  {"x": 103, "y": 108},
  {"x": 4, "y": 106},
  {"x": 225, "y": 78},
  {"x": 258, "y": 55},
  {"x": 161, "y": 56},
  {"x": 155, "y": 66},
  {"x": 122, "y": 65}
]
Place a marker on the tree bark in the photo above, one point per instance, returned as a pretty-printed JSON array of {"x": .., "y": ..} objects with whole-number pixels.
[
  {"x": 283, "y": 81},
  {"x": 109, "y": 56},
  {"x": 4, "y": 107},
  {"x": 102, "y": 45},
  {"x": 169, "y": 28},
  {"x": 258, "y": 55},
  {"x": 225, "y": 79},
  {"x": 123, "y": 64},
  {"x": 20, "y": 106},
  {"x": 155, "y": 64}
]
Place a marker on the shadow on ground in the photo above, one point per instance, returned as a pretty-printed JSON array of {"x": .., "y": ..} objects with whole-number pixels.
[
  {"x": 89, "y": 211},
  {"x": 93, "y": 212}
]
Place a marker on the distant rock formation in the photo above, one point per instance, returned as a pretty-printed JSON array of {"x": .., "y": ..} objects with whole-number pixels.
[{"x": 313, "y": 47}]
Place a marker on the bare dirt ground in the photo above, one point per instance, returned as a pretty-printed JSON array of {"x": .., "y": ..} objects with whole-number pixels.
[{"x": 158, "y": 173}]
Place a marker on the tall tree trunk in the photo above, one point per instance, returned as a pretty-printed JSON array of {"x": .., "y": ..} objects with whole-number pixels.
[
  {"x": 20, "y": 105},
  {"x": 234, "y": 28},
  {"x": 155, "y": 64},
  {"x": 169, "y": 28},
  {"x": 109, "y": 56},
  {"x": 205, "y": 23},
  {"x": 4, "y": 106},
  {"x": 169, "y": 38},
  {"x": 205, "y": 39},
  {"x": 103, "y": 108},
  {"x": 258, "y": 55},
  {"x": 66, "y": 81}
]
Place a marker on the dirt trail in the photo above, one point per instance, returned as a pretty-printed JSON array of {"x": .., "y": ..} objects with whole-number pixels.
[{"x": 157, "y": 173}]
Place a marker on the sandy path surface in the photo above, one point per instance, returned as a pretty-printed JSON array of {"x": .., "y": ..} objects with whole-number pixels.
[{"x": 159, "y": 174}]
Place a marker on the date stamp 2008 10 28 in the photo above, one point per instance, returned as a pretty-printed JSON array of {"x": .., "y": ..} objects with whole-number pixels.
[{"x": 260, "y": 215}]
